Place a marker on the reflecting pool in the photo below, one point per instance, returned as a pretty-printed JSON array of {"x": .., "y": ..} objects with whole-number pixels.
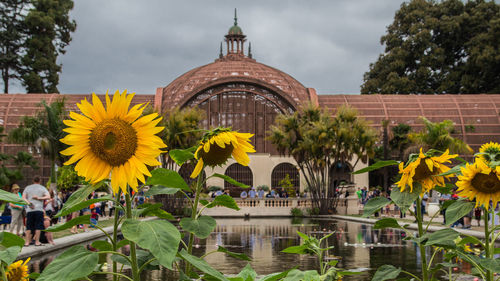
[{"x": 358, "y": 246}]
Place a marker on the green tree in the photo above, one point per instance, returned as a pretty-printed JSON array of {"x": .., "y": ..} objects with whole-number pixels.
[
  {"x": 317, "y": 141},
  {"x": 182, "y": 130},
  {"x": 43, "y": 131},
  {"x": 12, "y": 37},
  {"x": 436, "y": 47},
  {"x": 49, "y": 28},
  {"x": 438, "y": 136},
  {"x": 400, "y": 140}
]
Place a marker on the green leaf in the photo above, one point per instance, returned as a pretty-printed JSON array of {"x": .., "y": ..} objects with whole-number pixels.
[
  {"x": 300, "y": 249},
  {"x": 225, "y": 201},
  {"x": 447, "y": 189},
  {"x": 455, "y": 170},
  {"x": 275, "y": 276},
  {"x": 11, "y": 198},
  {"x": 386, "y": 272},
  {"x": 74, "y": 263},
  {"x": 159, "y": 189},
  {"x": 122, "y": 243},
  {"x": 457, "y": 210},
  {"x": 297, "y": 275},
  {"x": 8, "y": 239},
  {"x": 239, "y": 256},
  {"x": 76, "y": 221},
  {"x": 200, "y": 227},
  {"x": 201, "y": 265},
  {"x": 387, "y": 222},
  {"x": 377, "y": 165},
  {"x": 167, "y": 178},
  {"x": 78, "y": 200},
  {"x": 405, "y": 199},
  {"x": 158, "y": 236},
  {"x": 9, "y": 255},
  {"x": 374, "y": 205},
  {"x": 152, "y": 210},
  {"x": 442, "y": 237},
  {"x": 142, "y": 257},
  {"x": 492, "y": 265},
  {"x": 470, "y": 240},
  {"x": 181, "y": 156},
  {"x": 102, "y": 245},
  {"x": 230, "y": 180},
  {"x": 247, "y": 273}
]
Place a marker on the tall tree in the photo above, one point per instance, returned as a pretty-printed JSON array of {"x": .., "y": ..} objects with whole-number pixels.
[
  {"x": 12, "y": 35},
  {"x": 49, "y": 30},
  {"x": 400, "y": 140},
  {"x": 43, "y": 131},
  {"x": 436, "y": 47},
  {"x": 317, "y": 142},
  {"x": 438, "y": 136}
]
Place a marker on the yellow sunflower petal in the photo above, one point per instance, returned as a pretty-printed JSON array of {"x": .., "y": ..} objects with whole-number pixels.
[{"x": 197, "y": 169}]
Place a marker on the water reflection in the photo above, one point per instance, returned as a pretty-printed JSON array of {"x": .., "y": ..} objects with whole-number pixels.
[{"x": 262, "y": 239}]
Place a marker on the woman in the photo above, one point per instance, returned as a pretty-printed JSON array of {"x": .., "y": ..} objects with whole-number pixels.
[{"x": 17, "y": 222}]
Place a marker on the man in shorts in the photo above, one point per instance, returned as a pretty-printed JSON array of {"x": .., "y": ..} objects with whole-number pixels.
[{"x": 34, "y": 195}]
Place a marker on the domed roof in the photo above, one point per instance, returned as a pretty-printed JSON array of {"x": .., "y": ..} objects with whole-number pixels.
[
  {"x": 235, "y": 30},
  {"x": 231, "y": 69}
]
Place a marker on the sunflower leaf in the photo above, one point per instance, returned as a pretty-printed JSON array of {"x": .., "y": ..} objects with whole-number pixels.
[
  {"x": 232, "y": 254},
  {"x": 453, "y": 171},
  {"x": 230, "y": 180},
  {"x": 200, "y": 227},
  {"x": 443, "y": 237},
  {"x": 223, "y": 200},
  {"x": 386, "y": 272},
  {"x": 404, "y": 199},
  {"x": 202, "y": 265},
  {"x": 387, "y": 222},
  {"x": 167, "y": 178},
  {"x": 77, "y": 205},
  {"x": 374, "y": 205},
  {"x": 181, "y": 156},
  {"x": 11, "y": 198},
  {"x": 8, "y": 239},
  {"x": 457, "y": 210},
  {"x": 75, "y": 263},
  {"x": 159, "y": 189},
  {"x": 10, "y": 254},
  {"x": 376, "y": 166},
  {"x": 78, "y": 220}
]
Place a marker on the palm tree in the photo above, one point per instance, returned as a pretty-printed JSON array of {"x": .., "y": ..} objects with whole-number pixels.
[
  {"x": 317, "y": 141},
  {"x": 43, "y": 132},
  {"x": 438, "y": 136}
]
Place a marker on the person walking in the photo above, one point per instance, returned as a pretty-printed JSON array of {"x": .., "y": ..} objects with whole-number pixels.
[
  {"x": 17, "y": 222},
  {"x": 34, "y": 195}
]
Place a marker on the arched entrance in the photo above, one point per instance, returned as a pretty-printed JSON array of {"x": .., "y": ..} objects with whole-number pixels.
[
  {"x": 340, "y": 172},
  {"x": 279, "y": 176},
  {"x": 241, "y": 174}
]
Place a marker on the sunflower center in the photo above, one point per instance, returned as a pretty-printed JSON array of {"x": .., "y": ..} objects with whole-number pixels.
[
  {"x": 422, "y": 172},
  {"x": 486, "y": 183},
  {"x": 113, "y": 141},
  {"x": 216, "y": 155}
]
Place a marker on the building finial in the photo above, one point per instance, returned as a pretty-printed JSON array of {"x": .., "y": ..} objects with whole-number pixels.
[
  {"x": 250, "y": 49},
  {"x": 220, "y": 53},
  {"x": 235, "y": 17}
]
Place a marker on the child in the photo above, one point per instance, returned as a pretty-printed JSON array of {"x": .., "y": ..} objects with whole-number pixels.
[
  {"x": 477, "y": 215},
  {"x": 94, "y": 217}
]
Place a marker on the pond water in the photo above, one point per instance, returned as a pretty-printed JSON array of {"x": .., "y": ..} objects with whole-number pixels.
[{"x": 358, "y": 245}]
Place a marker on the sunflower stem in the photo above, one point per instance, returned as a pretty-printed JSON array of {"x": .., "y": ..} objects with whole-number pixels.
[
  {"x": 423, "y": 257},
  {"x": 115, "y": 234},
  {"x": 133, "y": 255},
  {"x": 2, "y": 271},
  {"x": 194, "y": 213},
  {"x": 488, "y": 252}
]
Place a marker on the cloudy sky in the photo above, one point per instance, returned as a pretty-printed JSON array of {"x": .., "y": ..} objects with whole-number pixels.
[{"x": 141, "y": 45}]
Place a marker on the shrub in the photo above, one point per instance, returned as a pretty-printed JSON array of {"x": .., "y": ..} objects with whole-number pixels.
[
  {"x": 296, "y": 212},
  {"x": 313, "y": 211}
]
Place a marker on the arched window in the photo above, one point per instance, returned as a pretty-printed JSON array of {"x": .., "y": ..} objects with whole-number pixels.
[
  {"x": 279, "y": 173},
  {"x": 241, "y": 174},
  {"x": 341, "y": 172},
  {"x": 185, "y": 172}
]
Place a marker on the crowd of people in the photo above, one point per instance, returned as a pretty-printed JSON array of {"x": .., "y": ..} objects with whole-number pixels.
[{"x": 29, "y": 220}]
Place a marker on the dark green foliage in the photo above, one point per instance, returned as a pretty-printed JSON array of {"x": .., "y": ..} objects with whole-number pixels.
[
  {"x": 12, "y": 37},
  {"x": 48, "y": 28},
  {"x": 436, "y": 47}
]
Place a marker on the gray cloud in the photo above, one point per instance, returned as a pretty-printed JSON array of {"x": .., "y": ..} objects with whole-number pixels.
[{"x": 142, "y": 45}]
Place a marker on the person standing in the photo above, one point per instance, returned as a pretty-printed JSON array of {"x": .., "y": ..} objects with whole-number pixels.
[
  {"x": 16, "y": 224},
  {"x": 34, "y": 195}
]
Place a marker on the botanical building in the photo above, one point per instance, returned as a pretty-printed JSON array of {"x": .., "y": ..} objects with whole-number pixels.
[{"x": 238, "y": 91}]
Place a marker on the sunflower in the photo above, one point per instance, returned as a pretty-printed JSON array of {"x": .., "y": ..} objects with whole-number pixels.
[
  {"x": 481, "y": 182},
  {"x": 218, "y": 145},
  {"x": 114, "y": 140},
  {"x": 490, "y": 152},
  {"x": 18, "y": 271},
  {"x": 425, "y": 170}
]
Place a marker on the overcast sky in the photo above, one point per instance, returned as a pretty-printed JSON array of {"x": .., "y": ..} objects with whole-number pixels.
[{"x": 141, "y": 45}]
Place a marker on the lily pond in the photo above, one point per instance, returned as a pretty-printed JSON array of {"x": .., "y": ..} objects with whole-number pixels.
[{"x": 357, "y": 246}]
